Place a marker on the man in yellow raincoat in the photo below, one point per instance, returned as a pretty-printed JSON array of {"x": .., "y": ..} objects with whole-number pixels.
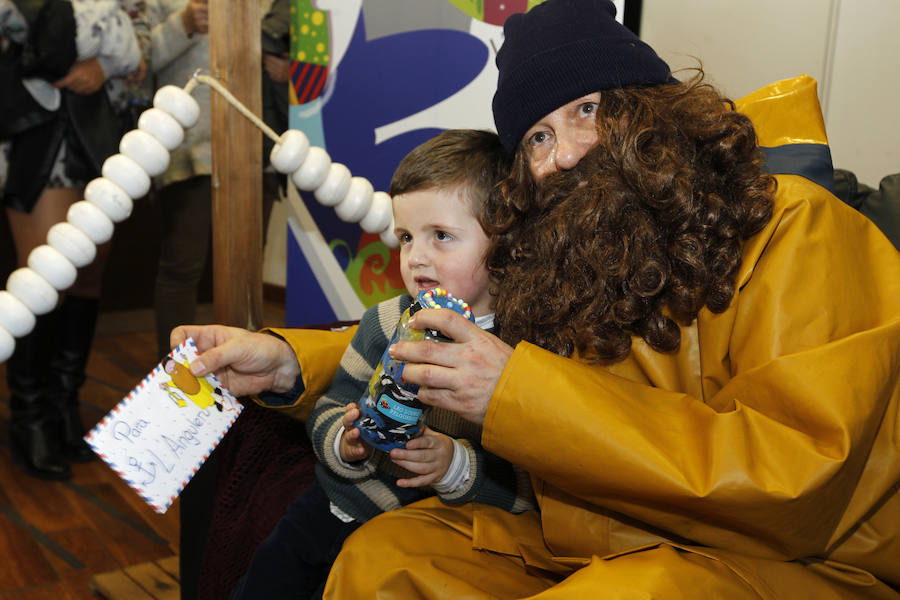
[{"x": 752, "y": 453}]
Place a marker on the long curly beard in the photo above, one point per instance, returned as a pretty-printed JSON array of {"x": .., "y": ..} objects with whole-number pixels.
[{"x": 643, "y": 233}]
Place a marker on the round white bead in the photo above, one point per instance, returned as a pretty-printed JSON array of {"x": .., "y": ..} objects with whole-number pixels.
[
  {"x": 34, "y": 291},
  {"x": 178, "y": 103},
  {"x": 380, "y": 213},
  {"x": 289, "y": 152},
  {"x": 313, "y": 171},
  {"x": 388, "y": 238},
  {"x": 92, "y": 221},
  {"x": 15, "y": 316},
  {"x": 162, "y": 126},
  {"x": 7, "y": 345},
  {"x": 335, "y": 186},
  {"x": 127, "y": 174},
  {"x": 356, "y": 203},
  {"x": 49, "y": 263},
  {"x": 72, "y": 243},
  {"x": 109, "y": 198},
  {"x": 145, "y": 150}
]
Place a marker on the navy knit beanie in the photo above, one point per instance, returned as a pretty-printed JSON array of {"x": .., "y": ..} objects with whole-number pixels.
[{"x": 559, "y": 51}]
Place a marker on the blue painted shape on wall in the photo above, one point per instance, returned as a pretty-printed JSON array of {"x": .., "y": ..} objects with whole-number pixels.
[
  {"x": 379, "y": 82},
  {"x": 305, "y": 303},
  {"x": 308, "y": 119}
]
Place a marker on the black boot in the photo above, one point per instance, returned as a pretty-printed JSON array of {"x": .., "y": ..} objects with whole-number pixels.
[
  {"x": 33, "y": 434},
  {"x": 77, "y": 320}
]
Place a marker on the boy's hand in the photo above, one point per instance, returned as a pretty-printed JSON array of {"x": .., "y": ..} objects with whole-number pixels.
[
  {"x": 352, "y": 447},
  {"x": 428, "y": 455}
]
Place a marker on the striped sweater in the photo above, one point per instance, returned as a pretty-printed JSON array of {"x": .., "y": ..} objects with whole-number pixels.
[{"x": 368, "y": 491}]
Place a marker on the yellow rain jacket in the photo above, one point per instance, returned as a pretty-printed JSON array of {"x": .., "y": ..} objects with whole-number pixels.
[{"x": 760, "y": 460}]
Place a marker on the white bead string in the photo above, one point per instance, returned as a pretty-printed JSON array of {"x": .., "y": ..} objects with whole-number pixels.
[
  {"x": 223, "y": 91},
  {"x": 126, "y": 176}
]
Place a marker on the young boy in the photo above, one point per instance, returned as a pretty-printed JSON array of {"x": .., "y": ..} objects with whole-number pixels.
[{"x": 438, "y": 191}]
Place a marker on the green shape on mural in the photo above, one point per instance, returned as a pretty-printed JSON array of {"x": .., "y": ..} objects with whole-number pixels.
[
  {"x": 309, "y": 33},
  {"x": 368, "y": 258},
  {"x": 473, "y": 8}
]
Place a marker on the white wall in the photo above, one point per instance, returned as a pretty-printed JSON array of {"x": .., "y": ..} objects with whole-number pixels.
[
  {"x": 863, "y": 111},
  {"x": 849, "y": 46}
]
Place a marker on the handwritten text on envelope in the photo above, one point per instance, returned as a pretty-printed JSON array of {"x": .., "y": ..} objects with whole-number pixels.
[{"x": 163, "y": 431}]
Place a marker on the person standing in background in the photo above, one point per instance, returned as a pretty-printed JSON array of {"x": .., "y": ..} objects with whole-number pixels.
[
  {"x": 62, "y": 67},
  {"x": 276, "y": 75},
  {"x": 180, "y": 46}
]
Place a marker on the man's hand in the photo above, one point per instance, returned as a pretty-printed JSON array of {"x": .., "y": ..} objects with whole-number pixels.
[
  {"x": 428, "y": 455},
  {"x": 137, "y": 76},
  {"x": 278, "y": 67},
  {"x": 84, "y": 77},
  {"x": 459, "y": 377},
  {"x": 244, "y": 361},
  {"x": 195, "y": 17}
]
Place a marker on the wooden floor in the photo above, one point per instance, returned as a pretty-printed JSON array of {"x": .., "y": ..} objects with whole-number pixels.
[
  {"x": 54, "y": 536},
  {"x": 158, "y": 580}
]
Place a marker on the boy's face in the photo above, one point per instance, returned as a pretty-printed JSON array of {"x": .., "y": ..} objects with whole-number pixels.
[{"x": 442, "y": 245}]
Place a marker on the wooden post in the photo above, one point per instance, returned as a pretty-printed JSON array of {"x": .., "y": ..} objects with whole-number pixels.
[{"x": 235, "y": 60}]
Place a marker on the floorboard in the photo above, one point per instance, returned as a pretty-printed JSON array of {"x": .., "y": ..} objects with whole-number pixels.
[{"x": 56, "y": 538}]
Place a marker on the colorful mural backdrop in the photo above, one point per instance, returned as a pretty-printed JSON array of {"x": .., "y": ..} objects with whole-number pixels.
[{"x": 371, "y": 80}]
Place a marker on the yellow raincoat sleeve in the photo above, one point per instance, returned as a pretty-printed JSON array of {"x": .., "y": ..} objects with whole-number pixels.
[
  {"x": 318, "y": 355},
  {"x": 777, "y": 440}
]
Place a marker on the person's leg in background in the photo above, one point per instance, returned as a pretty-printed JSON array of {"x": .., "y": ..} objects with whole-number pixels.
[
  {"x": 273, "y": 187},
  {"x": 186, "y": 218},
  {"x": 76, "y": 324},
  {"x": 47, "y": 367}
]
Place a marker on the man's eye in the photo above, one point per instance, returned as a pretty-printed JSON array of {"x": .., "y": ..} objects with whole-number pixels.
[
  {"x": 404, "y": 238},
  {"x": 537, "y": 138},
  {"x": 589, "y": 108}
]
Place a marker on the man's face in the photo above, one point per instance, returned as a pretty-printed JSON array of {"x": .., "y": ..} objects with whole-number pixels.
[{"x": 559, "y": 140}]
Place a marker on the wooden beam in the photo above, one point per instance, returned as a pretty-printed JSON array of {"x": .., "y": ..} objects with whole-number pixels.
[{"x": 235, "y": 60}]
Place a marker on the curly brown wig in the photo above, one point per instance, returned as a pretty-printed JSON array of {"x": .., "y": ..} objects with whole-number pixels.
[{"x": 644, "y": 232}]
